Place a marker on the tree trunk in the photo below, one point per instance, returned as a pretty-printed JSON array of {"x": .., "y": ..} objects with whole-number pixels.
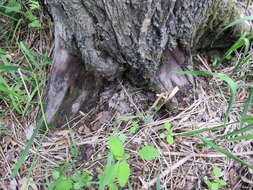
[{"x": 142, "y": 41}]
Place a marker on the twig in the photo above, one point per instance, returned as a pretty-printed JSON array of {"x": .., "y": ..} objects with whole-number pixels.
[{"x": 167, "y": 171}]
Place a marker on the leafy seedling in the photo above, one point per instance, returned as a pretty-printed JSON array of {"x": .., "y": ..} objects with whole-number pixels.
[
  {"x": 148, "y": 153},
  {"x": 169, "y": 133},
  {"x": 77, "y": 181},
  {"x": 134, "y": 127},
  {"x": 117, "y": 170},
  {"x": 217, "y": 183}
]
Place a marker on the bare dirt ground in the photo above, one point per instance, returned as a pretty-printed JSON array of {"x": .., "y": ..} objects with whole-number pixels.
[{"x": 181, "y": 165}]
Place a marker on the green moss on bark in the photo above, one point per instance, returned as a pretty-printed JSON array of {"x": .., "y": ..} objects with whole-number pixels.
[{"x": 210, "y": 33}]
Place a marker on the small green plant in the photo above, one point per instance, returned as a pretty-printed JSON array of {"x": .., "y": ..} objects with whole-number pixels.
[
  {"x": 14, "y": 10},
  {"x": 148, "y": 153},
  {"x": 77, "y": 181},
  {"x": 19, "y": 85},
  {"x": 217, "y": 183},
  {"x": 169, "y": 133},
  {"x": 134, "y": 127},
  {"x": 117, "y": 169}
]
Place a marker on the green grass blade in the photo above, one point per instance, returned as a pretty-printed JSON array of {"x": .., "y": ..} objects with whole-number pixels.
[
  {"x": 126, "y": 118},
  {"x": 233, "y": 87},
  {"x": 247, "y": 45},
  {"x": 29, "y": 101},
  {"x": 158, "y": 182},
  {"x": 239, "y": 21},
  {"x": 201, "y": 73},
  {"x": 11, "y": 17},
  {"x": 241, "y": 62},
  {"x": 247, "y": 104},
  {"x": 8, "y": 68},
  {"x": 227, "y": 153},
  {"x": 238, "y": 44},
  {"x": 25, "y": 153},
  {"x": 6, "y": 90},
  {"x": 239, "y": 131},
  {"x": 243, "y": 137},
  {"x": 195, "y": 132},
  {"x": 248, "y": 119},
  {"x": 29, "y": 56}
]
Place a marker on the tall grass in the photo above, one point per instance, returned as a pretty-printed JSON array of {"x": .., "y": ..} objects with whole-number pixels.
[
  {"x": 22, "y": 70},
  {"x": 242, "y": 45}
]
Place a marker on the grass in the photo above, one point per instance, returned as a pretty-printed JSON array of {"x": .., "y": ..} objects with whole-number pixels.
[
  {"x": 132, "y": 150},
  {"x": 23, "y": 70}
]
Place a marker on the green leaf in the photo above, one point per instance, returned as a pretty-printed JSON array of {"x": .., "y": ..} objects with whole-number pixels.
[
  {"x": 76, "y": 176},
  {"x": 112, "y": 186},
  {"x": 134, "y": 127},
  {"x": 148, "y": 153},
  {"x": 77, "y": 185},
  {"x": 168, "y": 126},
  {"x": 209, "y": 183},
  {"x": 162, "y": 135},
  {"x": 56, "y": 174},
  {"x": 116, "y": 146},
  {"x": 35, "y": 24},
  {"x": 214, "y": 186},
  {"x": 13, "y": 6},
  {"x": 34, "y": 5},
  {"x": 221, "y": 182},
  {"x": 170, "y": 139},
  {"x": 217, "y": 172},
  {"x": 126, "y": 118},
  {"x": 133, "y": 130},
  {"x": 201, "y": 73},
  {"x": 108, "y": 176},
  {"x": 123, "y": 173},
  {"x": 64, "y": 184}
]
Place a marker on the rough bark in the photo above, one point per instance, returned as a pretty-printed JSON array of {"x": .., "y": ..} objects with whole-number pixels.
[{"x": 144, "y": 41}]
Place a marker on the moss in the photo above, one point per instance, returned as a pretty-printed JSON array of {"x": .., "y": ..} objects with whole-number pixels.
[{"x": 211, "y": 30}]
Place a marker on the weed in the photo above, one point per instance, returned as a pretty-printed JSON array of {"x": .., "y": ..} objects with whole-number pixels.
[
  {"x": 77, "y": 181},
  {"x": 148, "y": 153},
  {"x": 117, "y": 169},
  {"x": 134, "y": 127},
  {"x": 169, "y": 133},
  {"x": 217, "y": 183},
  {"x": 21, "y": 15}
]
